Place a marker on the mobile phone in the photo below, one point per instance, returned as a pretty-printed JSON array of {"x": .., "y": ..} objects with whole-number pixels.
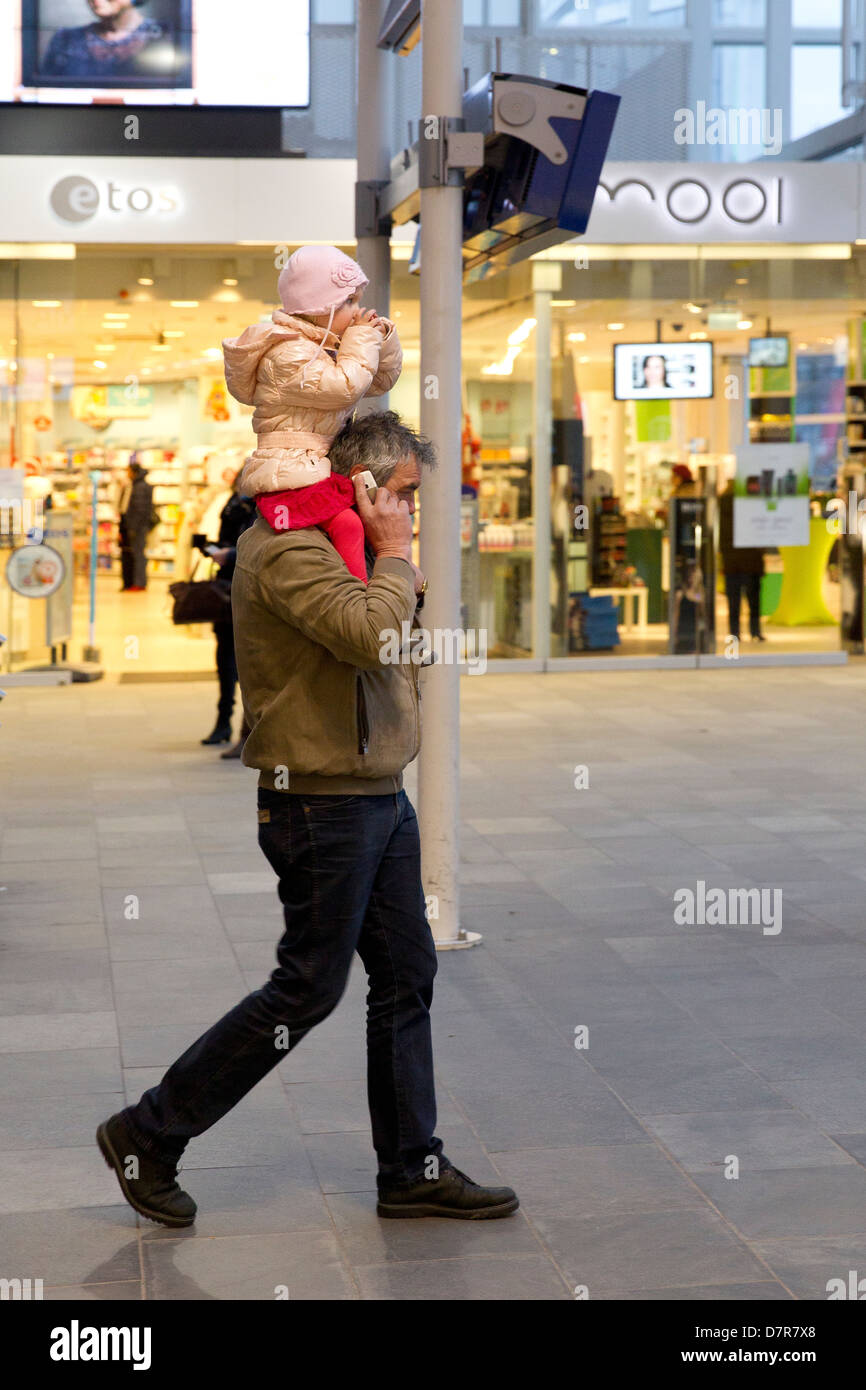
[
  {"x": 370, "y": 484},
  {"x": 199, "y": 540}
]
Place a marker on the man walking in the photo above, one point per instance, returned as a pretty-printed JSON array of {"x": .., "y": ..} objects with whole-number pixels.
[{"x": 332, "y": 729}]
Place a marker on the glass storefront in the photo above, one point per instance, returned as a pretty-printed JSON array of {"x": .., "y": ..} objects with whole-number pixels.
[{"x": 112, "y": 354}]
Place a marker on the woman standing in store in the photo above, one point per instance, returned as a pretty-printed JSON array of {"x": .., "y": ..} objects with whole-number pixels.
[
  {"x": 238, "y": 513},
  {"x": 136, "y": 522}
]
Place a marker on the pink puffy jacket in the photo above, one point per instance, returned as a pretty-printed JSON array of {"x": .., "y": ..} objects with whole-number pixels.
[{"x": 302, "y": 400}]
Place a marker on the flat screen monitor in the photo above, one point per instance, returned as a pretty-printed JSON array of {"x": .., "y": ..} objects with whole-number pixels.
[
  {"x": 769, "y": 352},
  {"x": 175, "y": 52},
  {"x": 662, "y": 371}
]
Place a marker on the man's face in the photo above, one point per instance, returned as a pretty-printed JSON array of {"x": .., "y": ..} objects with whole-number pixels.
[{"x": 404, "y": 481}]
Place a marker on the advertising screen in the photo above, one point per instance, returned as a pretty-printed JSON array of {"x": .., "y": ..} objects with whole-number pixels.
[
  {"x": 662, "y": 371},
  {"x": 156, "y": 52},
  {"x": 769, "y": 352}
]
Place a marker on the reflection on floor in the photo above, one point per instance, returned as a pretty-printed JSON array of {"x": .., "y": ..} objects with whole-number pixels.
[{"x": 136, "y": 636}]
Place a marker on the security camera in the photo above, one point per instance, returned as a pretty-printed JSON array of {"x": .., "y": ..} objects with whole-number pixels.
[{"x": 677, "y": 327}]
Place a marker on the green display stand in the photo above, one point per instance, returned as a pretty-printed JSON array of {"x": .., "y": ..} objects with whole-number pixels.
[
  {"x": 771, "y": 592},
  {"x": 643, "y": 549},
  {"x": 801, "y": 603}
]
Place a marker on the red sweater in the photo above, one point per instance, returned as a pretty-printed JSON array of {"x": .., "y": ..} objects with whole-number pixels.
[{"x": 328, "y": 504}]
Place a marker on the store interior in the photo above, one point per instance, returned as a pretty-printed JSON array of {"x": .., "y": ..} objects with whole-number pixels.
[{"x": 112, "y": 354}]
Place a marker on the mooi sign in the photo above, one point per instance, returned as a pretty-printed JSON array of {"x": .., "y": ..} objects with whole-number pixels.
[{"x": 759, "y": 201}]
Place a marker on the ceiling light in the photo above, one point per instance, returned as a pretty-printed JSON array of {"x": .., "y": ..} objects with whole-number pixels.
[
  {"x": 576, "y": 337},
  {"x": 145, "y": 280},
  {"x": 694, "y": 308},
  {"x": 696, "y": 337},
  {"x": 506, "y": 365},
  {"x": 161, "y": 347},
  {"x": 46, "y": 303},
  {"x": 146, "y": 371},
  {"x": 615, "y": 327},
  {"x": 522, "y": 332},
  {"x": 563, "y": 303},
  {"x": 184, "y": 303},
  {"x": 229, "y": 280},
  {"x": 101, "y": 365},
  {"x": 111, "y": 317},
  {"x": 583, "y": 359},
  {"x": 104, "y": 347},
  {"x": 212, "y": 352},
  {"x": 174, "y": 333},
  {"x": 745, "y": 323},
  {"x": 743, "y": 280},
  {"x": 802, "y": 346}
]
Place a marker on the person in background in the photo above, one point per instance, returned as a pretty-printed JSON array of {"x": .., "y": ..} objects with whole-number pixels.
[
  {"x": 689, "y": 610},
  {"x": 136, "y": 516},
  {"x": 237, "y": 514},
  {"x": 743, "y": 568}
]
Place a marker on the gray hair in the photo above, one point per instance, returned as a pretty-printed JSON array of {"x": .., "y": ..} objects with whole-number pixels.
[{"x": 379, "y": 442}]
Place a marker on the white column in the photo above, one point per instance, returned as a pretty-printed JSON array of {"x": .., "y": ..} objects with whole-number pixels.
[
  {"x": 375, "y": 88},
  {"x": 441, "y": 306},
  {"x": 546, "y": 278}
]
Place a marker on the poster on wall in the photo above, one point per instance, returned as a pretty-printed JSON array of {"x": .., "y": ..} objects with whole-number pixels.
[
  {"x": 102, "y": 404},
  {"x": 771, "y": 495}
]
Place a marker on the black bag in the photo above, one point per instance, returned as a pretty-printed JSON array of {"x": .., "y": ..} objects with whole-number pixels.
[{"x": 201, "y": 601}]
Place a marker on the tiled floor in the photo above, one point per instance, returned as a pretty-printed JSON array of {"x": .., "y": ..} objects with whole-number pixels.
[{"x": 707, "y": 1142}]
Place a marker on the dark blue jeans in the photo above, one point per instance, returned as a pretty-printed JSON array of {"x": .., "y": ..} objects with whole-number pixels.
[{"x": 349, "y": 870}]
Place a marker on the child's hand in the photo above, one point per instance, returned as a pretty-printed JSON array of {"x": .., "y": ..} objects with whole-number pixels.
[{"x": 369, "y": 316}]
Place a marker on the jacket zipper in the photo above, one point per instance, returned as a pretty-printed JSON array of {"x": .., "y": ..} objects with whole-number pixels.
[{"x": 361, "y": 719}]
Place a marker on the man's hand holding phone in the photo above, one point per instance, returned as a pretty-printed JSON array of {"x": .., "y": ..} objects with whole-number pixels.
[{"x": 387, "y": 521}]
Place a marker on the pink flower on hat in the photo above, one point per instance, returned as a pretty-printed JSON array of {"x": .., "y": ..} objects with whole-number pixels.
[{"x": 345, "y": 274}]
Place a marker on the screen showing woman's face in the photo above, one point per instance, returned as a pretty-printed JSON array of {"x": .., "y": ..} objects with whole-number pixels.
[
  {"x": 654, "y": 371},
  {"x": 107, "y": 9}
]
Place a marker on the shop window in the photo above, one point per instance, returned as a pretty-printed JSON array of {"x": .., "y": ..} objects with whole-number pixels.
[
  {"x": 671, "y": 12},
  {"x": 816, "y": 87},
  {"x": 573, "y": 13},
  {"x": 739, "y": 14},
  {"x": 816, "y": 14},
  {"x": 739, "y": 83},
  {"x": 333, "y": 12},
  {"x": 491, "y": 14}
]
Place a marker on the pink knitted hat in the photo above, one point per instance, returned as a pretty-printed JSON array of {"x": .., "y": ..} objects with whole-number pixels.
[{"x": 318, "y": 279}]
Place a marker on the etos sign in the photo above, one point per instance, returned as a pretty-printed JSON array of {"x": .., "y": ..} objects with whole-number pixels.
[{"x": 78, "y": 199}]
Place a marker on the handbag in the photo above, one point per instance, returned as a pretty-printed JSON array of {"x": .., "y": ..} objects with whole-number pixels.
[{"x": 201, "y": 600}]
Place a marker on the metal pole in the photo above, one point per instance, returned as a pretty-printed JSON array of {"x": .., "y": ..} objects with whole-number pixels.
[
  {"x": 441, "y": 305},
  {"x": 542, "y": 388},
  {"x": 375, "y": 87},
  {"x": 94, "y": 559}
]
